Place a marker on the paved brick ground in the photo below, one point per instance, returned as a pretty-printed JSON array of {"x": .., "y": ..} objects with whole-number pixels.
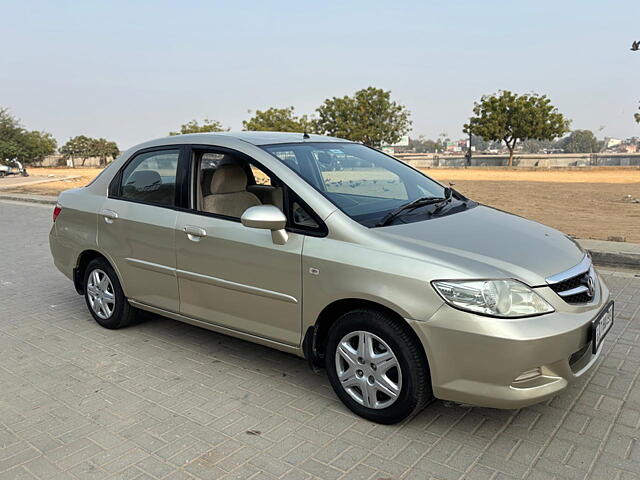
[{"x": 167, "y": 400}]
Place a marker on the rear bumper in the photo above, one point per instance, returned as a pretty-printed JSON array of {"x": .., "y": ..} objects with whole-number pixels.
[
  {"x": 64, "y": 257},
  {"x": 477, "y": 360}
]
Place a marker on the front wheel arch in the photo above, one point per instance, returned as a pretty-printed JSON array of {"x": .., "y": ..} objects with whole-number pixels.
[{"x": 315, "y": 339}]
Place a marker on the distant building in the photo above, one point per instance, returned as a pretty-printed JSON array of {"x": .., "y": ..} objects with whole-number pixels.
[
  {"x": 400, "y": 146},
  {"x": 628, "y": 148},
  {"x": 454, "y": 146},
  {"x": 611, "y": 142}
]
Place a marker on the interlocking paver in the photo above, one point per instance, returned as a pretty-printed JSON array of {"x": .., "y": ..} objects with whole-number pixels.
[{"x": 164, "y": 400}]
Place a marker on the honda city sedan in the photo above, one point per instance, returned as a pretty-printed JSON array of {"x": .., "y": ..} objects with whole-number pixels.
[{"x": 402, "y": 288}]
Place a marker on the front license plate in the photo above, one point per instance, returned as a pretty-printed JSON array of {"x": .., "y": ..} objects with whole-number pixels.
[{"x": 601, "y": 326}]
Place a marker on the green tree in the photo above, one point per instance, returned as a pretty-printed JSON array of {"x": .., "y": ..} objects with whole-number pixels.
[
  {"x": 510, "y": 118},
  {"x": 194, "y": 127},
  {"x": 78, "y": 147},
  {"x": 637, "y": 116},
  {"x": 11, "y": 133},
  {"x": 580, "y": 141},
  {"x": 479, "y": 143},
  {"x": 532, "y": 145},
  {"x": 21, "y": 144},
  {"x": 369, "y": 116},
  {"x": 279, "y": 120},
  {"x": 38, "y": 145},
  {"x": 83, "y": 148},
  {"x": 104, "y": 149}
]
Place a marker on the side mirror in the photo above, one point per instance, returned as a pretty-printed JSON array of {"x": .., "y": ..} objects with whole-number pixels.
[{"x": 267, "y": 217}]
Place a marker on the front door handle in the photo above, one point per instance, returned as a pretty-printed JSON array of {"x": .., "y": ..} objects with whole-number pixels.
[
  {"x": 109, "y": 215},
  {"x": 195, "y": 233}
]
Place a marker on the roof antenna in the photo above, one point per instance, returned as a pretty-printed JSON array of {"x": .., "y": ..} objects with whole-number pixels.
[{"x": 305, "y": 136}]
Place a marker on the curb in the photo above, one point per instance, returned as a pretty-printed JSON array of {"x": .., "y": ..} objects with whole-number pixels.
[
  {"x": 615, "y": 259},
  {"x": 621, "y": 254},
  {"x": 604, "y": 253},
  {"x": 29, "y": 198}
]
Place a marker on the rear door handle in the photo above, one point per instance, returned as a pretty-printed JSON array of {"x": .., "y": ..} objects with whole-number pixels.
[
  {"x": 194, "y": 233},
  {"x": 109, "y": 215}
]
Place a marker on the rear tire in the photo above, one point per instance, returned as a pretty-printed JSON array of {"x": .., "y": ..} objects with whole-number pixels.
[
  {"x": 104, "y": 296},
  {"x": 386, "y": 381}
]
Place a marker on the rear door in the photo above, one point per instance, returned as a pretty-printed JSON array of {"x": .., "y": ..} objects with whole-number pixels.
[{"x": 136, "y": 226}]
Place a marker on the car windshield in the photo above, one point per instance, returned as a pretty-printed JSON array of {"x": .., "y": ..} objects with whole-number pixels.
[{"x": 364, "y": 183}]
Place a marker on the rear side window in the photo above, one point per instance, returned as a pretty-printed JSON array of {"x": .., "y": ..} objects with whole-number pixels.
[{"x": 151, "y": 178}]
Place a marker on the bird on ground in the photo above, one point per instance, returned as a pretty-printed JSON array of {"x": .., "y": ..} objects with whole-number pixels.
[{"x": 635, "y": 46}]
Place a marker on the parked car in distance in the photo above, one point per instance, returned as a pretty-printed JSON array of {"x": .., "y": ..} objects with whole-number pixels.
[
  {"x": 6, "y": 170},
  {"x": 401, "y": 288}
]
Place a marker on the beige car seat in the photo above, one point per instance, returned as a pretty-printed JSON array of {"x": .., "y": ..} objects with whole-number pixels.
[{"x": 229, "y": 194}]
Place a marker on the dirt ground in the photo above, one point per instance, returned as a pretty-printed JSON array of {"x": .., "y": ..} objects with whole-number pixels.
[
  {"x": 589, "y": 203},
  {"x": 584, "y": 203},
  {"x": 54, "y": 188}
]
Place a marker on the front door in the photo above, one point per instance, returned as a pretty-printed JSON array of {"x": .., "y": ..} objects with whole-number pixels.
[
  {"x": 137, "y": 228},
  {"x": 231, "y": 275}
]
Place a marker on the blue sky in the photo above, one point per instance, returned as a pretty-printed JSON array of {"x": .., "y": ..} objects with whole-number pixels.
[{"x": 134, "y": 70}]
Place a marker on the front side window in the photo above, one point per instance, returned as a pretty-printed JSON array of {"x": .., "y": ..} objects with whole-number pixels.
[
  {"x": 363, "y": 182},
  {"x": 227, "y": 184},
  {"x": 151, "y": 178}
]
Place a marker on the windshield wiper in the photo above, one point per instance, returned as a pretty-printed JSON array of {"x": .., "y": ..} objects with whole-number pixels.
[
  {"x": 407, "y": 207},
  {"x": 448, "y": 194}
]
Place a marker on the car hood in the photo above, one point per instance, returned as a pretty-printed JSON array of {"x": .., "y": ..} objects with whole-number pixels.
[{"x": 483, "y": 242}]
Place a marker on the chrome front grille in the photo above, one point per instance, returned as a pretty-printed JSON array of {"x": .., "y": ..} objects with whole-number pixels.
[{"x": 576, "y": 285}]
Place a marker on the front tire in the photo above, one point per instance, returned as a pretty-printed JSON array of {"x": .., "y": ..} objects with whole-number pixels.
[
  {"x": 377, "y": 367},
  {"x": 104, "y": 296}
]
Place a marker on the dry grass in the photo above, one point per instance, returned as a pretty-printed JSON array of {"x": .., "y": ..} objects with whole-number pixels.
[
  {"x": 587, "y": 175},
  {"x": 54, "y": 188},
  {"x": 584, "y": 203}
]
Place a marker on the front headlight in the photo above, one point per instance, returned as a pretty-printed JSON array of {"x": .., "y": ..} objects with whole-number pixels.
[{"x": 497, "y": 298}]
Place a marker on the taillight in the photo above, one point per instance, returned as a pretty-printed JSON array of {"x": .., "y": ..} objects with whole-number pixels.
[{"x": 56, "y": 212}]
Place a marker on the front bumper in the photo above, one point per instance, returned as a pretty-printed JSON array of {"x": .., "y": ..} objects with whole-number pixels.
[{"x": 476, "y": 360}]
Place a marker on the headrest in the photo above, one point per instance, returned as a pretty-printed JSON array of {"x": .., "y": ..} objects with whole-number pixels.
[
  {"x": 229, "y": 178},
  {"x": 144, "y": 180}
]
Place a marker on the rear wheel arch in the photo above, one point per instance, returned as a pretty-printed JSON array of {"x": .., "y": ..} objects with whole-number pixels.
[
  {"x": 316, "y": 336},
  {"x": 81, "y": 265}
]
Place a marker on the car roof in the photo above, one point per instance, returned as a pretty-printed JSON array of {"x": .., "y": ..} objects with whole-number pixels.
[
  {"x": 254, "y": 138},
  {"x": 268, "y": 138}
]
